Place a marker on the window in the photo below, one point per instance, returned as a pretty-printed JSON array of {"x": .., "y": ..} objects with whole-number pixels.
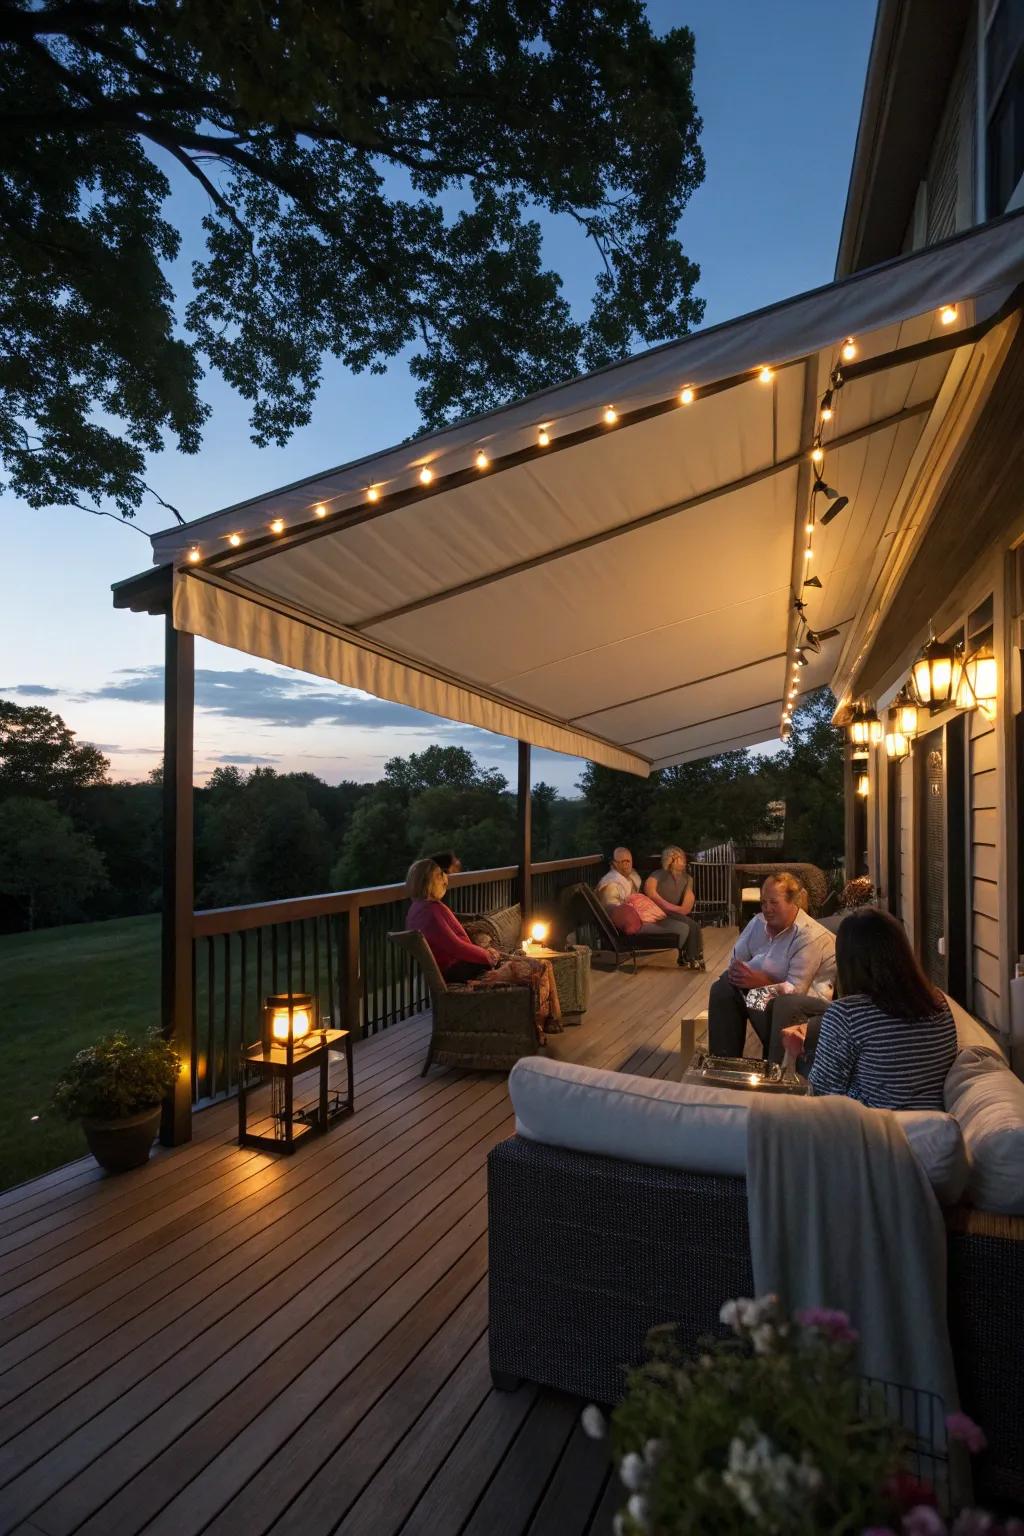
[{"x": 1004, "y": 104}]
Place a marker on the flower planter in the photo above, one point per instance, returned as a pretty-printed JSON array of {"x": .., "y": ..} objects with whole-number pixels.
[{"x": 118, "y": 1145}]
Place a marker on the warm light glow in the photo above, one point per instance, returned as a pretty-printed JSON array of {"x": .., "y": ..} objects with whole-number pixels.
[
  {"x": 426, "y": 475},
  {"x": 849, "y": 350},
  {"x": 826, "y": 413},
  {"x": 372, "y": 493},
  {"x": 482, "y": 460},
  {"x": 320, "y": 510},
  {"x": 765, "y": 375},
  {"x": 907, "y": 721},
  {"x": 818, "y": 454},
  {"x": 543, "y": 437},
  {"x": 686, "y": 396},
  {"x": 539, "y": 932},
  {"x": 947, "y": 314},
  {"x": 754, "y": 1078},
  {"x": 808, "y": 527},
  {"x": 234, "y": 539},
  {"x": 807, "y": 552},
  {"x": 896, "y": 746},
  {"x": 978, "y": 684},
  {"x": 300, "y": 1019},
  {"x": 934, "y": 681},
  {"x": 194, "y": 554},
  {"x": 863, "y": 785},
  {"x": 611, "y": 415},
  {"x": 277, "y": 526},
  {"x": 876, "y": 732}
]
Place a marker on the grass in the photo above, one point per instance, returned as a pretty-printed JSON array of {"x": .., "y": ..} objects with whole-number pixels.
[{"x": 63, "y": 987}]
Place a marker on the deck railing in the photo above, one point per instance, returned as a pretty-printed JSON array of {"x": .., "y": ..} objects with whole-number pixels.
[{"x": 334, "y": 946}]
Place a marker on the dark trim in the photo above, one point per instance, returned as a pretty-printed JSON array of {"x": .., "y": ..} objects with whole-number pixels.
[
  {"x": 148, "y": 592},
  {"x": 524, "y": 832},
  {"x": 958, "y": 896},
  {"x": 178, "y": 899}
]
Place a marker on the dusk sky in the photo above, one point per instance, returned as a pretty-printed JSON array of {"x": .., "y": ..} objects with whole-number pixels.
[{"x": 778, "y": 87}]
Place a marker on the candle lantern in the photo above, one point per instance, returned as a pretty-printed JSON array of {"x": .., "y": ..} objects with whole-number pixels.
[
  {"x": 979, "y": 684},
  {"x": 863, "y": 785},
  {"x": 539, "y": 932},
  {"x": 288, "y": 1019},
  {"x": 934, "y": 673},
  {"x": 907, "y": 715},
  {"x": 897, "y": 746}
]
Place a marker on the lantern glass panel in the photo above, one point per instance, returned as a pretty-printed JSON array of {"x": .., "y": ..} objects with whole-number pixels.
[
  {"x": 863, "y": 785},
  {"x": 896, "y": 746},
  {"x": 908, "y": 726},
  {"x": 876, "y": 732}
]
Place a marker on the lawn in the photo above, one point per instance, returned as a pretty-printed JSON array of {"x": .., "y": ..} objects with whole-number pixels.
[{"x": 62, "y": 987}]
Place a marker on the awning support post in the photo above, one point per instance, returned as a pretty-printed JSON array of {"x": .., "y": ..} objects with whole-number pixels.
[
  {"x": 524, "y": 833},
  {"x": 178, "y": 878}
]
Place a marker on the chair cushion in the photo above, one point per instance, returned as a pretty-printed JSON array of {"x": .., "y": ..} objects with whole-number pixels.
[
  {"x": 684, "y": 1125},
  {"x": 626, "y": 919},
  {"x": 647, "y": 910},
  {"x": 503, "y": 928},
  {"x": 988, "y": 1103}
]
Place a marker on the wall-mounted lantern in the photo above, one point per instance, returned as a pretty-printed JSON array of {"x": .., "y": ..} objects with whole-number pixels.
[{"x": 934, "y": 673}]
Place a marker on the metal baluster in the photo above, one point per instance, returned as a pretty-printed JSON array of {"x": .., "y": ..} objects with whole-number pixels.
[
  {"x": 302, "y": 963},
  {"x": 288, "y": 955},
  {"x": 316, "y": 967},
  {"x": 195, "y": 1024},
  {"x": 364, "y": 968},
  {"x": 259, "y": 972},
  {"x": 274, "y": 936},
  {"x": 242, "y": 938},
  {"x": 210, "y": 989},
  {"x": 227, "y": 1011},
  {"x": 328, "y": 931}
]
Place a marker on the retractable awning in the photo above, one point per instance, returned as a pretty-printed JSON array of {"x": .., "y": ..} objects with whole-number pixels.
[{"x": 624, "y": 590}]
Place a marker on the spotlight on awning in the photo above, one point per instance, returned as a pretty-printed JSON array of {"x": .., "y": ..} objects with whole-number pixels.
[
  {"x": 837, "y": 503},
  {"x": 812, "y": 581}
]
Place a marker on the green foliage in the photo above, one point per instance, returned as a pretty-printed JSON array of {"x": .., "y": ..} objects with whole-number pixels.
[
  {"x": 117, "y": 1076},
  {"x": 40, "y": 756},
  {"x": 371, "y": 173},
  {"x": 46, "y": 865},
  {"x": 764, "y": 1430},
  {"x": 810, "y": 775},
  {"x": 620, "y": 809}
]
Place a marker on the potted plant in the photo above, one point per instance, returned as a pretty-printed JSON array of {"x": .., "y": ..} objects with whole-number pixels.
[{"x": 115, "y": 1088}]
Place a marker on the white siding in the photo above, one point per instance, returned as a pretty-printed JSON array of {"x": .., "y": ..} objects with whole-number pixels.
[
  {"x": 986, "y": 831},
  {"x": 907, "y": 845},
  {"x": 949, "y": 184}
]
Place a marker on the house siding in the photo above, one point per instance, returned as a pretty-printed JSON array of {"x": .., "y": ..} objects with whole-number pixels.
[{"x": 985, "y": 837}]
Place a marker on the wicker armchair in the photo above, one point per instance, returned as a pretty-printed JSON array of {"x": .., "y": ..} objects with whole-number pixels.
[{"x": 484, "y": 1029}]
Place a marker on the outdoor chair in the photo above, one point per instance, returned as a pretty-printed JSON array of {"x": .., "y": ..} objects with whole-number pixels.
[
  {"x": 582, "y": 907},
  {"x": 486, "y": 1029}
]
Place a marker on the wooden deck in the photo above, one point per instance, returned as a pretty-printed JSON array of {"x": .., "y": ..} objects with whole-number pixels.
[{"x": 235, "y": 1342}]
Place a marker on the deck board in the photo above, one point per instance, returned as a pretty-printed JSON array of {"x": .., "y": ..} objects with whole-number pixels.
[{"x": 227, "y": 1341}]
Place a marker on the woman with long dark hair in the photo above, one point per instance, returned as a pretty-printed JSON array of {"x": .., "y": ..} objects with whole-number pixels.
[{"x": 888, "y": 1040}]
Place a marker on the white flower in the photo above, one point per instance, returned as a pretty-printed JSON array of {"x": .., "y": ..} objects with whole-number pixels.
[
  {"x": 637, "y": 1510},
  {"x": 763, "y": 1339},
  {"x": 729, "y": 1314},
  {"x": 619, "y": 1525},
  {"x": 652, "y": 1451},
  {"x": 706, "y": 1362},
  {"x": 632, "y": 1470},
  {"x": 592, "y": 1420}
]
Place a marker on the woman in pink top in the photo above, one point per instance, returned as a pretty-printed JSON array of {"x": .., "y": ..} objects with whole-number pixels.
[{"x": 459, "y": 959}]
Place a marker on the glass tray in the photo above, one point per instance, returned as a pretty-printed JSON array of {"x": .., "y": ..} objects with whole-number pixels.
[{"x": 748, "y": 1072}]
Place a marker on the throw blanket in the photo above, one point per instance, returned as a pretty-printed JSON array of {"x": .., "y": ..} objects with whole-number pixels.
[{"x": 842, "y": 1215}]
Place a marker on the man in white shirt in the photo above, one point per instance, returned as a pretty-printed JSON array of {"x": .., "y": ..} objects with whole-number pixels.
[
  {"x": 781, "y": 948},
  {"x": 621, "y": 881}
]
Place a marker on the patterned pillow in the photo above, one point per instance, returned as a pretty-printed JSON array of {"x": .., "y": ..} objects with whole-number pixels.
[
  {"x": 647, "y": 910},
  {"x": 626, "y": 919}
]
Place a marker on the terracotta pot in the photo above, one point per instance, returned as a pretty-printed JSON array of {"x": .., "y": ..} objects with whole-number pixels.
[{"x": 118, "y": 1145}]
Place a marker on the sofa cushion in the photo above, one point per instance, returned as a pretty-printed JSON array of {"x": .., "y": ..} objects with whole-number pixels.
[
  {"x": 988, "y": 1103},
  {"x": 683, "y": 1125},
  {"x": 970, "y": 1031},
  {"x": 502, "y": 928}
]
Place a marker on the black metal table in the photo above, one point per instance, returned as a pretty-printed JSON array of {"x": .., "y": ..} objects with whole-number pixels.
[{"x": 289, "y": 1124}]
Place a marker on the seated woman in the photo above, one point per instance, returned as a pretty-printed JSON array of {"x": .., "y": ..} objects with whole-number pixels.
[
  {"x": 459, "y": 959},
  {"x": 888, "y": 1040},
  {"x": 671, "y": 888}
]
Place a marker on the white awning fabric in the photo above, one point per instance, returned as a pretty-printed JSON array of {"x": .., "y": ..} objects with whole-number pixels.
[{"x": 625, "y": 593}]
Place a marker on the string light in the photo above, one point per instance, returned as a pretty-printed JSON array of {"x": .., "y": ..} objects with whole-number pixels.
[
  {"x": 426, "y": 475},
  {"x": 481, "y": 460},
  {"x": 818, "y": 454},
  {"x": 372, "y": 493},
  {"x": 611, "y": 415},
  {"x": 848, "y": 351},
  {"x": 194, "y": 555},
  {"x": 765, "y": 375},
  {"x": 543, "y": 437},
  {"x": 686, "y": 396},
  {"x": 947, "y": 314},
  {"x": 277, "y": 526},
  {"x": 807, "y": 552},
  {"x": 320, "y": 510},
  {"x": 234, "y": 539}
]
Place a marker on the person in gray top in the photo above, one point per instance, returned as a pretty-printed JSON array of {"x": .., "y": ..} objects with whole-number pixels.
[
  {"x": 671, "y": 887},
  {"x": 781, "y": 947}
]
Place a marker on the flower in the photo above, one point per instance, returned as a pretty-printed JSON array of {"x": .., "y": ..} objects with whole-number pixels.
[
  {"x": 960, "y": 1427},
  {"x": 652, "y": 1451},
  {"x": 833, "y": 1324},
  {"x": 637, "y": 1510},
  {"x": 923, "y": 1520},
  {"x": 592, "y": 1420},
  {"x": 632, "y": 1470},
  {"x": 763, "y": 1339},
  {"x": 973, "y": 1522}
]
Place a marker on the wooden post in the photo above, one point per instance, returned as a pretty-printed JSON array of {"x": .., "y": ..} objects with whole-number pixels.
[
  {"x": 352, "y": 974},
  {"x": 852, "y": 855},
  {"x": 524, "y": 829},
  {"x": 178, "y": 880}
]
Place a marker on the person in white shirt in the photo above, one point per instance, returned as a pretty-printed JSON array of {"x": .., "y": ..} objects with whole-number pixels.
[
  {"x": 621, "y": 881},
  {"x": 781, "y": 950}
]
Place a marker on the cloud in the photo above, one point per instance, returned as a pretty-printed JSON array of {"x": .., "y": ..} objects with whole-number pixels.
[
  {"x": 246, "y": 759},
  {"x": 30, "y": 691}
]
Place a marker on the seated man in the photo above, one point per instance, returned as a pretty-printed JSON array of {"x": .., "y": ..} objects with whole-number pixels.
[
  {"x": 621, "y": 887},
  {"x": 781, "y": 948}
]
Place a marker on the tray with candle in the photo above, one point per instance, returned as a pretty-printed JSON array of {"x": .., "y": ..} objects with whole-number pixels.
[{"x": 746, "y": 1072}]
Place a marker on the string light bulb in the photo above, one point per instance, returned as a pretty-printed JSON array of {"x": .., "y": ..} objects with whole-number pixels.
[
  {"x": 611, "y": 415},
  {"x": 807, "y": 552},
  {"x": 765, "y": 375},
  {"x": 234, "y": 539},
  {"x": 481, "y": 460},
  {"x": 808, "y": 527},
  {"x": 194, "y": 555},
  {"x": 372, "y": 493},
  {"x": 277, "y": 526},
  {"x": 947, "y": 314},
  {"x": 320, "y": 510},
  {"x": 686, "y": 396},
  {"x": 818, "y": 454},
  {"x": 426, "y": 475},
  {"x": 848, "y": 350},
  {"x": 543, "y": 437},
  {"x": 826, "y": 413}
]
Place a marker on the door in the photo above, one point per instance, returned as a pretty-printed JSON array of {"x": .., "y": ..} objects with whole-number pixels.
[{"x": 932, "y": 927}]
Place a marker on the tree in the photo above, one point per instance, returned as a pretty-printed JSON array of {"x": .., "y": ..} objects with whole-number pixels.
[
  {"x": 45, "y": 864},
  {"x": 545, "y": 798},
  {"x": 40, "y": 756},
  {"x": 440, "y": 767},
  {"x": 620, "y": 809},
  {"x": 371, "y": 170},
  {"x": 810, "y": 780}
]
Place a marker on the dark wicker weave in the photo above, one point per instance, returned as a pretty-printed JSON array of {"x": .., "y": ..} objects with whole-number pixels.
[{"x": 587, "y": 1253}]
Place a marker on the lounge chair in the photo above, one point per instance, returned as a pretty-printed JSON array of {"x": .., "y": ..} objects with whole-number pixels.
[{"x": 582, "y": 906}]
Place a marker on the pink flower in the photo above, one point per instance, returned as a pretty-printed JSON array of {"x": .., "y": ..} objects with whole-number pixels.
[
  {"x": 960, "y": 1427},
  {"x": 834, "y": 1325},
  {"x": 923, "y": 1520}
]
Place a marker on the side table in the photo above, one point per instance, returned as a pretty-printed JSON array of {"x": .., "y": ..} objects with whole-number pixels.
[
  {"x": 571, "y": 969},
  {"x": 288, "y": 1124}
]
